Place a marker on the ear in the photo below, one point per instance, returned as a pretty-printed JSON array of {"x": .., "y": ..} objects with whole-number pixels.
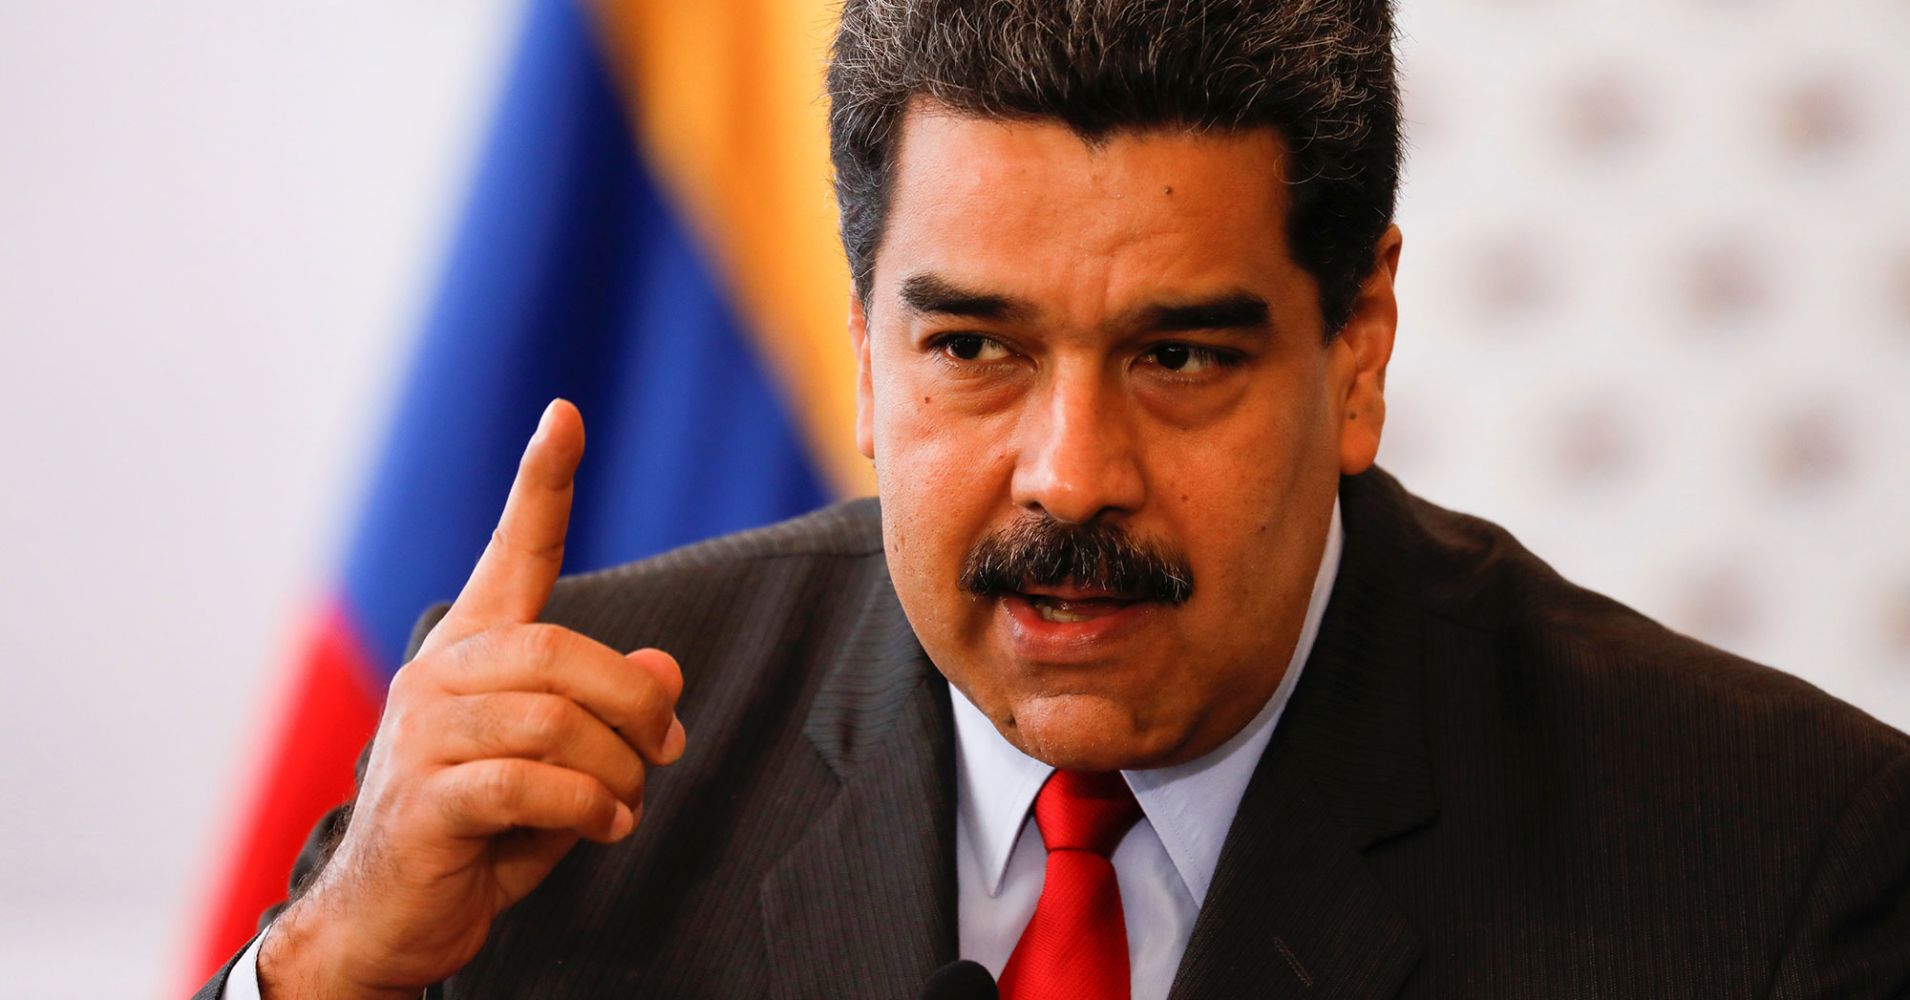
[
  {"x": 1360, "y": 354},
  {"x": 865, "y": 390}
]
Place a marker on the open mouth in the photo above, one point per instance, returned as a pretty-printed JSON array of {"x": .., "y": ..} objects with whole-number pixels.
[
  {"x": 1058, "y": 624},
  {"x": 1074, "y": 609},
  {"x": 1072, "y": 603}
]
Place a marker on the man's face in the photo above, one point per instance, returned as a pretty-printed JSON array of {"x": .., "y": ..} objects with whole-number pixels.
[{"x": 1114, "y": 337}]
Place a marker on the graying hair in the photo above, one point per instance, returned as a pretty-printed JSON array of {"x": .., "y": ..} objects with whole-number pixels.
[{"x": 1319, "y": 72}]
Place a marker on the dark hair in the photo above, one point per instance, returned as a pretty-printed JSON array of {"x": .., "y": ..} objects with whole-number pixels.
[{"x": 1320, "y": 72}]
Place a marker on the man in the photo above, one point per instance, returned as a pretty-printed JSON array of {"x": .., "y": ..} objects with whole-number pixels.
[{"x": 1140, "y": 680}]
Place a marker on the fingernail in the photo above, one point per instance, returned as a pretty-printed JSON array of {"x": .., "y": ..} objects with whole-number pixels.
[
  {"x": 625, "y": 822},
  {"x": 544, "y": 420},
  {"x": 674, "y": 741}
]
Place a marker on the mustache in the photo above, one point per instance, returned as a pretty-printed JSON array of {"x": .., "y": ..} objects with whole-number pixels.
[{"x": 1039, "y": 550}]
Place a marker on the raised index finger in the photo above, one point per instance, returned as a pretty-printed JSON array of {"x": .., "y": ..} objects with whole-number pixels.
[{"x": 513, "y": 577}]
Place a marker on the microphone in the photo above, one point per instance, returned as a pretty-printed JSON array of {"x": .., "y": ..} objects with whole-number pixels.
[{"x": 963, "y": 980}]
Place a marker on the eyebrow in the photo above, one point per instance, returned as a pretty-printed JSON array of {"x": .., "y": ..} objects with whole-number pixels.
[
  {"x": 1241, "y": 311},
  {"x": 931, "y": 294}
]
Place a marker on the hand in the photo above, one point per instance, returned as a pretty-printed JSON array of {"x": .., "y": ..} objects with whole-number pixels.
[{"x": 503, "y": 741}]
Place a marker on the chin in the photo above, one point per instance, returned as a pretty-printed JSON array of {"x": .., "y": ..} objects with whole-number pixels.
[{"x": 1084, "y": 732}]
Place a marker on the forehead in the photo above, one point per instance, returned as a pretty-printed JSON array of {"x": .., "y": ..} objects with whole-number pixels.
[{"x": 1033, "y": 204}]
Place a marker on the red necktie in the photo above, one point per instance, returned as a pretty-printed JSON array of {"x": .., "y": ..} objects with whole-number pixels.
[{"x": 1075, "y": 946}]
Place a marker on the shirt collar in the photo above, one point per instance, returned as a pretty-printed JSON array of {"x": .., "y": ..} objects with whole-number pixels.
[{"x": 1190, "y": 806}]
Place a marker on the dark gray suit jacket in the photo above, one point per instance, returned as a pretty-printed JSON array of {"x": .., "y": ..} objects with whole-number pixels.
[{"x": 1489, "y": 783}]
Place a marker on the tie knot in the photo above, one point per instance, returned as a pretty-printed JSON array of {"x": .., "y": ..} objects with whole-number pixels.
[{"x": 1085, "y": 811}]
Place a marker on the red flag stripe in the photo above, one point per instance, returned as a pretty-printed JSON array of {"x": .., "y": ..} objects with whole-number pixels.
[{"x": 329, "y": 713}]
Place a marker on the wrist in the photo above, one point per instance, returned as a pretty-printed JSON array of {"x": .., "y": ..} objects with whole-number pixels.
[{"x": 302, "y": 958}]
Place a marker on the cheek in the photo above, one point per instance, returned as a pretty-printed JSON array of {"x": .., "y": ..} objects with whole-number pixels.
[
  {"x": 919, "y": 452},
  {"x": 1244, "y": 499},
  {"x": 929, "y": 435},
  {"x": 937, "y": 476}
]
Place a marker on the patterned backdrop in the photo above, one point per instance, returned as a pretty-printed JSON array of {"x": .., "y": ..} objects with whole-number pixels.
[{"x": 1655, "y": 310}]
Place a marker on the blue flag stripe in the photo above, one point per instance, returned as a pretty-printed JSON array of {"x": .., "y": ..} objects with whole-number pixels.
[{"x": 572, "y": 276}]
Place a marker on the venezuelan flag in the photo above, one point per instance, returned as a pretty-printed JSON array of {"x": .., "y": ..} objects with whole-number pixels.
[{"x": 651, "y": 235}]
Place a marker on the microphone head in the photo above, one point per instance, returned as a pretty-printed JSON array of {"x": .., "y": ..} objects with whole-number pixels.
[{"x": 963, "y": 980}]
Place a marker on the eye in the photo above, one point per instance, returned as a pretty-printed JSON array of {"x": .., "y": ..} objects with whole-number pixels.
[
  {"x": 971, "y": 347},
  {"x": 1189, "y": 359}
]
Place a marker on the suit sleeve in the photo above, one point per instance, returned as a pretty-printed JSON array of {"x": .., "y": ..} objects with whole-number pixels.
[
  {"x": 330, "y": 829},
  {"x": 1851, "y": 935}
]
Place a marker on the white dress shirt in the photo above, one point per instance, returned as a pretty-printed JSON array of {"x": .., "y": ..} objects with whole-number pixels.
[
  {"x": 1164, "y": 865},
  {"x": 243, "y": 983}
]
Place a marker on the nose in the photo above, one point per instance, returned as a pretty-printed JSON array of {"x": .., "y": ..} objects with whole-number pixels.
[{"x": 1077, "y": 456}]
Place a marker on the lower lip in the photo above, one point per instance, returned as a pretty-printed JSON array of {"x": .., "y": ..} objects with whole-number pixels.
[{"x": 1036, "y": 638}]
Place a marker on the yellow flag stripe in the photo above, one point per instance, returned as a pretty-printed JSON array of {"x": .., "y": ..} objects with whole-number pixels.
[{"x": 728, "y": 103}]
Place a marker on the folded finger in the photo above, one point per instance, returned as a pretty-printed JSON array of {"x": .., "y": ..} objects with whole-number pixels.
[
  {"x": 536, "y": 726},
  {"x": 483, "y": 798},
  {"x": 629, "y": 697}
]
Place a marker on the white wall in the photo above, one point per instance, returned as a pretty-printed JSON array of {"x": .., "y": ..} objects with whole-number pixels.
[
  {"x": 1656, "y": 301},
  {"x": 1657, "y": 319},
  {"x": 217, "y": 220}
]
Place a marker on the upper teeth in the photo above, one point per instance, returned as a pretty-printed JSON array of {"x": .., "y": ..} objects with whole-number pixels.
[{"x": 1049, "y": 612}]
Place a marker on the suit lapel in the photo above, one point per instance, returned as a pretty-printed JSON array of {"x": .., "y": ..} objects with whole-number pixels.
[
  {"x": 1294, "y": 908},
  {"x": 863, "y": 905}
]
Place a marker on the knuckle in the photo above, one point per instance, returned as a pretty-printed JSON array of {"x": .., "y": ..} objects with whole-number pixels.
[
  {"x": 504, "y": 539},
  {"x": 540, "y": 645},
  {"x": 500, "y": 784},
  {"x": 405, "y": 683},
  {"x": 454, "y": 797},
  {"x": 483, "y": 728},
  {"x": 588, "y": 801},
  {"x": 545, "y": 721},
  {"x": 401, "y": 726},
  {"x": 491, "y": 645},
  {"x": 508, "y": 540}
]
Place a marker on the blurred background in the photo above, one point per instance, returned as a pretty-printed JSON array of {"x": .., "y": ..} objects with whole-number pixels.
[{"x": 1655, "y": 319}]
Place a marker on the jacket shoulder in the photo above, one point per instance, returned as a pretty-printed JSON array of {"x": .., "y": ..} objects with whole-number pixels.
[
  {"x": 1604, "y": 782},
  {"x": 1574, "y": 651}
]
